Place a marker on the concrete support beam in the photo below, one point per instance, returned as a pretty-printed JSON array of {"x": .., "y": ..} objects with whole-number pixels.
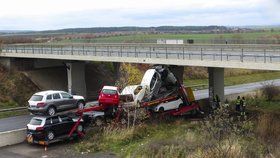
[
  {"x": 216, "y": 83},
  {"x": 178, "y": 71},
  {"x": 6, "y": 62},
  {"x": 116, "y": 70},
  {"x": 76, "y": 78}
]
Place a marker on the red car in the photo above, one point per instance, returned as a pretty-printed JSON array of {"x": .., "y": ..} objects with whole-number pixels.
[{"x": 109, "y": 95}]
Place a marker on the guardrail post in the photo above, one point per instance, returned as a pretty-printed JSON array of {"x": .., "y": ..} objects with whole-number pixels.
[
  {"x": 241, "y": 58},
  {"x": 16, "y": 49},
  {"x": 136, "y": 55},
  {"x": 83, "y": 49},
  {"x": 221, "y": 54},
  {"x": 23, "y": 49},
  {"x": 51, "y": 50},
  {"x": 264, "y": 56},
  {"x": 108, "y": 51},
  {"x": 201, "y": 55},
  {"x": 95, "y": 51},
  {"x": 72, "y": 49},
  {"x": 183, "y": 53},
  {"x": 33, "y": 49},
  {"x": 166, "y": 53},
  {"x": 121, "y": 51}
]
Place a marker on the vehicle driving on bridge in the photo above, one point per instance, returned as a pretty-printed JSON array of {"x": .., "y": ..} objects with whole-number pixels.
[{"x": 50, "y": 102}]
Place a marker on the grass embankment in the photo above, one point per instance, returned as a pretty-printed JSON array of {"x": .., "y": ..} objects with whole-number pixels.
[
  {"x": 13, "y": 113},
  {"x": 240, "y": 79},
  {"x": 219, "y": 136},
  {"x": 15, "y": 90}
]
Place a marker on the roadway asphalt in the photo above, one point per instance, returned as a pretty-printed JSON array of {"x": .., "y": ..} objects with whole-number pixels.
[{"x": 19, "y": 122}]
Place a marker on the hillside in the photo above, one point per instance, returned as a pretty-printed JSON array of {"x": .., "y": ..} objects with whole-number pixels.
[{"x": 15, "y": 88}]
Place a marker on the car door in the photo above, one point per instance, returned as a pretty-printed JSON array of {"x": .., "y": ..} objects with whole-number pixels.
[
  {"x": 66, "y": 124},
  {"x": 68, "y": 100},
  {"x": 58, "y": 101},
  {"x": 56, "y": 126}
]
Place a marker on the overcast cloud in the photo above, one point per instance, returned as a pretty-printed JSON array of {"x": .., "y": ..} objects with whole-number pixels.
[{"x": 58, "y": 14}]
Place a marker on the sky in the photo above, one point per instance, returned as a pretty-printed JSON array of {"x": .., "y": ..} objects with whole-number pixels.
[{"x": 59, "y": 14}]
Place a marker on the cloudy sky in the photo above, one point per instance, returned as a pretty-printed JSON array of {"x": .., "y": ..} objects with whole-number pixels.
[{"x": 58, "y": 14}]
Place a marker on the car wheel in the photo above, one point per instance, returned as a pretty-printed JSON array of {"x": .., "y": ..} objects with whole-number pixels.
[
  {"x": 80, "y": 128},
  {"x": 180, "y": 105},
  {"x": 80, "y": 105},
  {"x": 51, "y": 111},
  {"x": 98, "y": 121},
  {"x": 161, "y": 110},
  {"x": 50, "y": 135}
]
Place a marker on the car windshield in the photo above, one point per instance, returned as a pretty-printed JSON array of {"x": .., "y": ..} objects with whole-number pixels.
[
  {"x": 109, "y": 91},
  {"x": 35, "y": 121},
  {"x": 36, "y": 98}
]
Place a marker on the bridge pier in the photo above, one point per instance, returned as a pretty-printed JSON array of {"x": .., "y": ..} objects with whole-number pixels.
[
  {"x": 76, "y": 78},
  {"x": 216, "y": 83},
  {"x": 178, "y": 71},
  {"x": 6, "y": 62}
]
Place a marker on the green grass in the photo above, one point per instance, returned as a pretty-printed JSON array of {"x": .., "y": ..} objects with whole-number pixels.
[
  {"x": 259, "y": 103},
  {"x": 198, "y": 38},
  {"x": 241, "y": 79},
  {"x": 13, "y": 113},
  {"x": 126, "y": 141},
  {"x": 7, "y": 105}
]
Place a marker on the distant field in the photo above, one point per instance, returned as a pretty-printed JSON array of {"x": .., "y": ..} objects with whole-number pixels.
[
  {"x": 255, "y": 37},
  {"x": 241, "y": 79}
]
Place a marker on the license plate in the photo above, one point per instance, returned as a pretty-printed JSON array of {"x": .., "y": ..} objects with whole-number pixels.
[{"x": 29, "y": 138}]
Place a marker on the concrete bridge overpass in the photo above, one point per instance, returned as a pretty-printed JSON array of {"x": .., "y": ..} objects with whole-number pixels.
[{"x": 215, "y": 57}]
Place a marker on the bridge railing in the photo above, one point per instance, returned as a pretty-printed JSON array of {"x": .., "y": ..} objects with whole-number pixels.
[{"x": 242, "y": 53}]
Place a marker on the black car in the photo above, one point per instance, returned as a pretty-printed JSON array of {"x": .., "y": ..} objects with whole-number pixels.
[{"x": 46, "y": 129}]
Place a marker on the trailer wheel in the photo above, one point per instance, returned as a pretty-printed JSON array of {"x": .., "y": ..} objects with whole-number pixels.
[
  {"x": 80, "y": 105},
  {"x": 51, "y": 111},
  {"x": 98, "y": 121},
  {"x": 161, "y": 110},
  {"x": 50, "y": 135},
  {"x": 80, "y": 128}
]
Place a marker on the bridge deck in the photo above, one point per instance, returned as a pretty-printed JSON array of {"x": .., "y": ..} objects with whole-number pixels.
[{"x": 229, "y": 56}]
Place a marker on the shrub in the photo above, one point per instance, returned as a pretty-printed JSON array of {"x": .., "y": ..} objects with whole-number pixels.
[{"x": 269, "y": 91}]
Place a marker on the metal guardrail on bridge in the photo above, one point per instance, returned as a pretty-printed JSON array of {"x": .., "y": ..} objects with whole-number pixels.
[{"x": 219, "y": 52}]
